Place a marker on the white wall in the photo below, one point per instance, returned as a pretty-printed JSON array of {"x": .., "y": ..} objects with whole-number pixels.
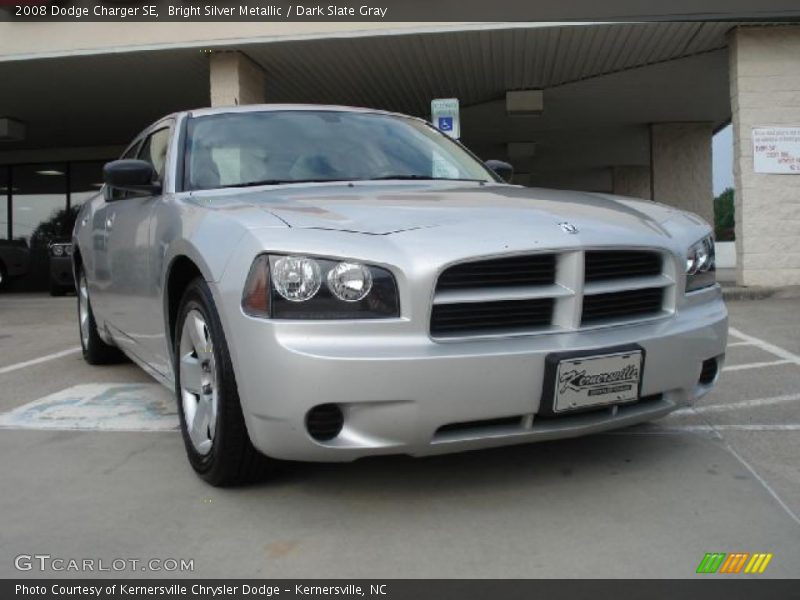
[
  {"x": 765, "y": 91},
  {"x": 632, "y": 181},
  {"x": 681, "y": 166}
]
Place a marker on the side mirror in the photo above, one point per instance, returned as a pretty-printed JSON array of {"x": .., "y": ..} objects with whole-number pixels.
[
  {"x": 503, "y": 169},
  {"x": 131, "y": 175}
]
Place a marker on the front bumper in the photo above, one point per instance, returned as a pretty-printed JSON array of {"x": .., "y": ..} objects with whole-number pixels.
[
  {"x": 61, "y": 272},
  {"x": 402, "y": 393}
]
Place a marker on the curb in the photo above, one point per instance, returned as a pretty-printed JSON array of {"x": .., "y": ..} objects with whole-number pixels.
[{"x": 733, "y": 293}]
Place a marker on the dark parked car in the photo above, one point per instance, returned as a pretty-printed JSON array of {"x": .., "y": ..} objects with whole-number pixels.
[
  {"x": 61, "y": 279},
  {"x": 14, "y": 260}
]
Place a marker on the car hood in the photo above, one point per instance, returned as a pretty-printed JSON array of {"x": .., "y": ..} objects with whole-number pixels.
[{"x": 383, "y": 209}]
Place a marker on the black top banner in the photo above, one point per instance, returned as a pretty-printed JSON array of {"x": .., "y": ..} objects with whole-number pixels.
[{"x": 398, "y": 10}]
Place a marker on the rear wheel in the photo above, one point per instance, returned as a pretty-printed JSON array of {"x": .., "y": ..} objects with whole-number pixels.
[
  {"x": 95, "y": 350},
  {"x": 214, "y": 432},
  {"x": 56, "y": 289}
]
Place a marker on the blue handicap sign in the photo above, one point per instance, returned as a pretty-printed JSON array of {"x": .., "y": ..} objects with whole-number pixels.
[{"x": 446, "y": 123}]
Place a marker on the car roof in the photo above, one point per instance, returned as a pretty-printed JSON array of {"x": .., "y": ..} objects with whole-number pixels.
[{"x": 217, "y": 110}]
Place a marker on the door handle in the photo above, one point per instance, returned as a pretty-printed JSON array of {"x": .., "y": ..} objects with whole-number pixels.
[{"x": 110, "y": 221}]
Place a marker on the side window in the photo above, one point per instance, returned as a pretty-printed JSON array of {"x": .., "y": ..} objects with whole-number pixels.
[
  {"x": 131, "y": 152},
  {"x": 154, "y": 151}
]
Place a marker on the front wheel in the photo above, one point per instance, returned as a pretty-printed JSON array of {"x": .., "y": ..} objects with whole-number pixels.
[{"x": 214, "y": 432}]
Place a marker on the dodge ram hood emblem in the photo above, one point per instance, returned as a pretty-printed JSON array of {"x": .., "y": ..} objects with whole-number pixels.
[{"x": 568, "y": 227}]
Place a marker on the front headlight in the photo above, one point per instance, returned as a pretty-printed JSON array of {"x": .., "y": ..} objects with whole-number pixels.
[
  {"x": 701, "y": 265},
  {"x": 61, "y": 249},
  {"x": 304, "y": 287},
  {"x": 296, "y": 278}
]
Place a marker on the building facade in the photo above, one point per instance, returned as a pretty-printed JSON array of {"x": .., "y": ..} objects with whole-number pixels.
[{"x": 626, "y": 108}]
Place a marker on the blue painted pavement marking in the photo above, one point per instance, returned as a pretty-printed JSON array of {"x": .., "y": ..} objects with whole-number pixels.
[{"x": 99, "y": 407}]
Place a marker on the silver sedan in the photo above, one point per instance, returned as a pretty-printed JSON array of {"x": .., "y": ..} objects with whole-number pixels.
[{"x": 325, "y": 283}]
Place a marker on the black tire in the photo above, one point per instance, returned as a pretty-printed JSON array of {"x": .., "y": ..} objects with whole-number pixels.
[
  {"x": 95, "y": 350},
  {"x": 57, "y": 289},
  {"x": 232, "y": 458}
]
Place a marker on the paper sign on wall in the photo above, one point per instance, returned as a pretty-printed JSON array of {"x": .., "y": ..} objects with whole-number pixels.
[{"x": 776, "y": 150}]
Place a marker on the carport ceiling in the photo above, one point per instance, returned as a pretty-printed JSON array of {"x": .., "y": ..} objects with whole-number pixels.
[
  {"x": 105, "y": 99},
  {"x": 404, "y": 72}
]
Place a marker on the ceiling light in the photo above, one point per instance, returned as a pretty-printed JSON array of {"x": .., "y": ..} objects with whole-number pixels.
[
  {"x": 51, "y": 172},
  {"x": 525, "y": 102},
  {"x": 521, "y": 150}
]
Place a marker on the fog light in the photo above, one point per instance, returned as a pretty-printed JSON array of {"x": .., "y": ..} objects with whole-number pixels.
[
  {"x": 709, "y": 371},
  {"x": 324, "y": 422}
]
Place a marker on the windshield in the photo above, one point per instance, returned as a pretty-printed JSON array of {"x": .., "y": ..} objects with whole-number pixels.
[{"x": 293, "y": 146}]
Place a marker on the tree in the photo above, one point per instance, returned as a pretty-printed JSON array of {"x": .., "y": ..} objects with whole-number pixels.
[
  {"x": 724, "y": 220},
  {"x": 57, "y": 227}
]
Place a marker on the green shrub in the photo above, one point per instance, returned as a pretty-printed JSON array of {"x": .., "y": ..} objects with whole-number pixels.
[{"x": 723, "y": 216}]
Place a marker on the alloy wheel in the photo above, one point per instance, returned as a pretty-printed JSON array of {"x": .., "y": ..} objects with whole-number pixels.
[
  {"x": 198, "y": 381},
  {"x": 83, "y": 310}
]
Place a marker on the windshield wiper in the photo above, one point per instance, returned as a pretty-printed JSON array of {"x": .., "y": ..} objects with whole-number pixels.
[
  {"x": 418, "y": 177},
  {"x": 398, "y": 177},
  {"x": 281, "y": 182}
]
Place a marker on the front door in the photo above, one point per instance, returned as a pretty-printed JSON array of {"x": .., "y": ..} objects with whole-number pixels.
[
  {"x": 98, "y": 261},
  {"x": 133, "y": 289}
]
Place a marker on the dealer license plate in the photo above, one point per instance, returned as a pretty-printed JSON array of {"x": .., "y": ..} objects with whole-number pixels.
[{"x": 587, "y": 381}]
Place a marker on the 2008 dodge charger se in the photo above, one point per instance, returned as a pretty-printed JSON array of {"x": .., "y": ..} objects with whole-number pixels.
[{"x": 324, "y": 283}]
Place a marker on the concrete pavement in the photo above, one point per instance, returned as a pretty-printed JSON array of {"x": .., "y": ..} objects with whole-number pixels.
[{"x": 643, "y": 502}]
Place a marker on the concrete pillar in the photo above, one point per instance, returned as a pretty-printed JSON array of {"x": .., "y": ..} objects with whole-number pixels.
[
  {"x": 680, "y": 166},
  {"x": 765, "y": 91},
  {"x": 631, "y": 181},
  {"x": 235, "y": 79}
]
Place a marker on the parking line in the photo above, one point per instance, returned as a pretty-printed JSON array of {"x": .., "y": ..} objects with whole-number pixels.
[
  {"x": 734, "y": 344},
  {"x": 764, "y": 483},
  {"x": 41, "y": 359},
  {"x": 766, "y": 346},
  {"x": 757, "y": 365},
  {"x": 737, "y": 427},
  {"x": 755, "y": 402}
]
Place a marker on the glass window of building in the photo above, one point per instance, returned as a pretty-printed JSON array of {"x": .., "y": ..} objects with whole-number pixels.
[
  {"x": 86, "y": 179},
  {"x": 39, "y": 202},
  {"x": 4, "y": 191}
]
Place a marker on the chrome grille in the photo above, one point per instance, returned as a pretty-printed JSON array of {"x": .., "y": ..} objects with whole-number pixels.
[{"x": 556, "y": 291}]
